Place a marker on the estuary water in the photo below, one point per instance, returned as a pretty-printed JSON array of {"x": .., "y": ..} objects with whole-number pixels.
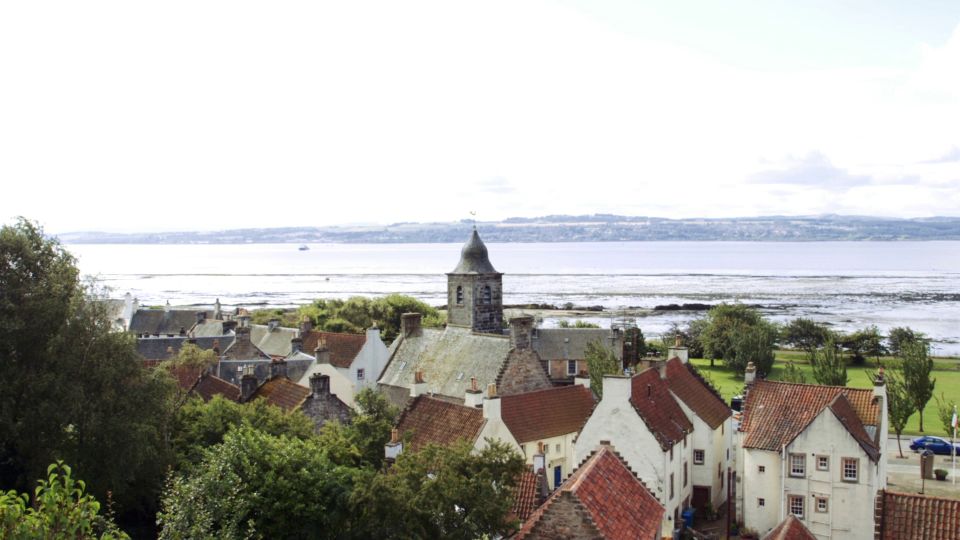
[{"x": 846, "y": 284}]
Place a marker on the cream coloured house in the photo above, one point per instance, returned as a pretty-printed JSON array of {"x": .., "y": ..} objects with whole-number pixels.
[{"x": 816, "y": 452}]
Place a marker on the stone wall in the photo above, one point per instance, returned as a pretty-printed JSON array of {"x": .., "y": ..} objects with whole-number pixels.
[
  {"x": 324, "y": 408},
  {"x": 565, "y": 518},
  {"x": 522, "y": 372},
  {"x": 473, "y": 312}
]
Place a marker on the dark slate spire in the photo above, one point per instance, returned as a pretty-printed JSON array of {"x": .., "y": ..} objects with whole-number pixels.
[{"x": 474, "y": 258}]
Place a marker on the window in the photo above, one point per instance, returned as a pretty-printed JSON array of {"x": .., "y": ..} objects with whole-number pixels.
[
  {"x": 798, "y": 464},
  {"x": 557, "y": 448},
  {"x": 698, "y": 457},
  {"x": 671, "y": 485},
  {"x": 796, "y": 505},
  {"x": 684, "y": 474},
  {"x": 571, "y": 367},
  {"x": 459, "y": 294},
  {"x": 823, "y": 463},
  {"x": 761, "y": 502},
  {"x": 850, "y": 469},
  {"x": 822, "y": 505},
  {"x": 360, "y": 374},
  {"x": 761, "y": 468},
  {"x": 487, "y": 296}
]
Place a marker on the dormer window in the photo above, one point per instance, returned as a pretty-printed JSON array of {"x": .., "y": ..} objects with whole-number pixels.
[
  {"x": 487, "y": 295},
  {"x": 459, "y": 295}
]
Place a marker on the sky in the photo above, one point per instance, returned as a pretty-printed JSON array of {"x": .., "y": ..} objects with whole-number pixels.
[{"x": 205, "y": 115}]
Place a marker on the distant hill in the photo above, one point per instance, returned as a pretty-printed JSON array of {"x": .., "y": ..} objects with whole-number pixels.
[{"x": 592, "y": 228}]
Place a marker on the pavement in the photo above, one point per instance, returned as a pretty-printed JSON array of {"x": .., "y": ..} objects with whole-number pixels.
[{"x": 903, "y": 474}]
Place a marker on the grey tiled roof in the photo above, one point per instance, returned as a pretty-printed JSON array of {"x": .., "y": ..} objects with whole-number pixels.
[
  {"x": 274, "y": 343},
  {"x": 244, "y": 349},
  {"x": 162, "y": 322},
  {"x": 571, "y": 343},
  {"x": 158, "y": 348},
  {"x": 209, "y": 327},
  {"x": 232, "y": 370},
  {"x": 448, "y": 358}
]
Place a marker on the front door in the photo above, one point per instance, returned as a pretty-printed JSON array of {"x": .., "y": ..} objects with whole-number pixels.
[
  {"x": 557, "y": 477},
  {"x": 701, "y": 498}
]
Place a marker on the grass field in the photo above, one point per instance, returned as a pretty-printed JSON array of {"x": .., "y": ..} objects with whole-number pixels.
[{"x": 946, "y": 372}]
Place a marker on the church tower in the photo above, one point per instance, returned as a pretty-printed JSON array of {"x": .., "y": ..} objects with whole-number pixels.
[{"x": 475, "y": 290}]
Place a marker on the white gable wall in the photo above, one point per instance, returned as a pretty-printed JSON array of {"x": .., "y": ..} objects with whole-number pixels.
[
  {"x": 717, "y": 445},
  {"x": 372, "y": 359}
]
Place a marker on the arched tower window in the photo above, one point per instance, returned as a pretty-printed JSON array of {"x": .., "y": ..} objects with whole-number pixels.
[
  {"x": 459, "y": 294},
  {"x": 487, "y": 296}
]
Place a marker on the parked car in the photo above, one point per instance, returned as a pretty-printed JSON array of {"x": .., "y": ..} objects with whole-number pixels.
[{"x": 937, "y": 445}]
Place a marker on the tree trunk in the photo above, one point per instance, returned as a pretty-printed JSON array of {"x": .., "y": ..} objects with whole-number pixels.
[
  {"x": 900, "y": 448},
  {"x": 921, "y": 419}
]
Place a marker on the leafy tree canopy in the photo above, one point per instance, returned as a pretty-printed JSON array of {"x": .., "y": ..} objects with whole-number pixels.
[
  {"x": 737, "y": 334},
  {"x": 828, "y": 365},
  {"x": 917, "y": 367},
  {"x": 805, "y": 334},
  {"x": 899, "y": 404},
  {"x": 601, "y": 361}
]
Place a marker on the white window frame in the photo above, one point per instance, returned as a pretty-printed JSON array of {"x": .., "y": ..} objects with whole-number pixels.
[
  {"x": 361, "y": 373},
  {"x": 800, "y": 503},
  {"x": 823, "y": 463},
  {"x": 856, "y": 469},
  {"x": 822, "y": 505},
  {"x": 797, "y": 465},
  {"x": 699, "y": 456},
  {"x": 571, "y": 363}
]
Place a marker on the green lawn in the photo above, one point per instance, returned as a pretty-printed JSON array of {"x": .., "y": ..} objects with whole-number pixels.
[{"x": 946, "y": 374}]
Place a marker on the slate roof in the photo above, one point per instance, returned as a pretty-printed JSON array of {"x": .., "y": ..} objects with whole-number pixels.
[
  {"x": 652, "y": 400},
  {"x": 276, "y": 342},
  {"x": 165, "y": 348},
  {"x": 448, "y": 357},
  {"x": 191, "y": 379},
  {"x": 547, "y": 413},
  {"x": 571, "y": 343},
  {"x": 343, "y": 347},
  {"x": 474, "y": 258},
  {"x": 282, "y": 392},
  {"x": 618, "y": 504},
  {"x": 432, "y": 420},
  {"x": 162, "y": 321},
  {"x": 776, "y": 412},
  {"x": 696, "y": 393},
  {"x": 905, "y": 515},
  {"x": 790, "y": 528},
  {"x": 244, "y": 349},
  {"x": 231, "y": 370},
  {"x": 210, "y": 327}
]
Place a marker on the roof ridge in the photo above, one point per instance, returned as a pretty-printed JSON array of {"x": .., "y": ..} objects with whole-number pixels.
[{"x": 920, "y": 496}]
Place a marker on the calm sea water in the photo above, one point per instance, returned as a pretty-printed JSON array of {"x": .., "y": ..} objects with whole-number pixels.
[{"x": 847, "y": 284}]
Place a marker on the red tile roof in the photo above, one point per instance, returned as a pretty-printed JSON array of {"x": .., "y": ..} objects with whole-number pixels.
[
  {"x": 211, "y": 385},
  {"x": 547, "y": 413},
  {"x": 776, "y": 412},
  {"x": 617, "y": 503},
  {"x": 790, "y": 528},
  {"x": 696, "y": 393},
  {"x": 904, "y": 515},
  {"x": 527, "y": 497},
  {"x": 283, "y": 393},
  {"x": 432, "y": 420},
  {"x": 343, "y": 347},
  {"x": 844, "y": 412},
  {"x": 653, "y": 402}
]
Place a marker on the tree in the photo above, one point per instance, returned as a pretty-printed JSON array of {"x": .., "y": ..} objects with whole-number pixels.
[
  {"x": 917, "y": 369},
  {"x": 360, "y": 443},
  {"x": 863, "y": 343},
  {"x": 73, "y": 389},
  {"x": 791, "y": 373},
  {"x": 200, "y": 425},
  {"x": 60, "y": 509},
  {"x": 805, "y": 334},
  {"x": 563, "y": 323},
  {"x": 441, "y": 492},
  {"x": 601, "y": 361},
  {"x": 359, "y": 313},
  {"x": 899, "y": 405},
  {"x": 726, "y": 325},
  {"x": 828, "y": 365},
  {"x": 901, "y": 335},
  {"x": 945, "y": 410},
  {"x": 753, "y": 344}
]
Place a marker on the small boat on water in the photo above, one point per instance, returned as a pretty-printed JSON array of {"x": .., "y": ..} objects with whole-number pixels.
[{"x": 303, "y": 248}]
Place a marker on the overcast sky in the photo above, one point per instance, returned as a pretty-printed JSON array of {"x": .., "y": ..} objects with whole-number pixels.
[{"x": 175, "y": 115}]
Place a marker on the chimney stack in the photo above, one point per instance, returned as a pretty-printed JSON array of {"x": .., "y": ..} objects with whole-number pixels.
[
  {"x": 410, "y": 324},
  {"x": 750, "y": 375},
  {"x": 306, "y": 325},
  {"x": 419, "y": 385},
  {"x": 243, "y": 334},
  {"x": 273, "y": 324},
  {"x": 539, "y": 460},
  {"x": 394, "y": 448},
  {"x": 322, "y": 353},
  {"x": 678, "y": 351},
  {"x": 617, "y": 388},
  {"x": 582, "y": 379},
  {"x": 278, "y": 368},
  {"x": 217, "y": 312},
  {"x": 491, "y": 405},
  {"x": 248, "y": 384},
  {"x": 521, "y": 332},
  {"x": 474, "y": 396},
  {"x": 296, "y": 345},
  {"x": 319, "y": 385},
  {"x": 201, "y": 316}
]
